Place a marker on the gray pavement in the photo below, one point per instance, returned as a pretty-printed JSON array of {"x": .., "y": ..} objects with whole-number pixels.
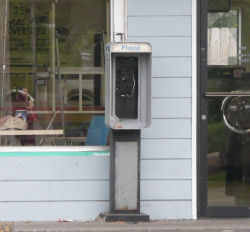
[{"x": 210, "y": 225}]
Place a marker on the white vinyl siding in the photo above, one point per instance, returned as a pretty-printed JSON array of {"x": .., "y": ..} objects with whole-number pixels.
[{"x": 166, "y": 159}]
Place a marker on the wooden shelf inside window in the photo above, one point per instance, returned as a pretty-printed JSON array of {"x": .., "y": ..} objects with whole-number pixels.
[{"x": 31, "y": 132}]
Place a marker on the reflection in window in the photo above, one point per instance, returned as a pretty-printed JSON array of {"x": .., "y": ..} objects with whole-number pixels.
[
  {"x": 52, "y": 87},
  {"x": 223, "y": 38}
]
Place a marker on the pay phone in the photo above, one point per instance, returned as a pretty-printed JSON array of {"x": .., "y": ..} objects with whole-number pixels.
[
  {"x": 127, "y": 111},
  {"x": 128, "y": 85}
]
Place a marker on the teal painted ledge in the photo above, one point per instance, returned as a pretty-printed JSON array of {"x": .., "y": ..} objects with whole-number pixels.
[{"x": 57, "y": 153}]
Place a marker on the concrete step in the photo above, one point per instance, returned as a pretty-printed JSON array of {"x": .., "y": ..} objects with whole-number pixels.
[{"x": 210, "y": 225}]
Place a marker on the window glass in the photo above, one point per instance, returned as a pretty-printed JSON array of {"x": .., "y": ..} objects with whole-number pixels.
[{"x": 52, "y": 82}]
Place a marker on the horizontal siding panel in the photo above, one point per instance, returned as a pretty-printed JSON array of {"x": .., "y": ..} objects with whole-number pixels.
[
  {"x": 54, "y": 168},
  {"x": 166, "y": 148},
  {"x": 166, "y": 190},
  {"x": 159, "y": 7},
  {"x": 168, "y": 128},
  {"x": 171, "y": 108},
  {"x": 54, "y": 190},
  {"x": 51, "y": 211},
  {"x": 167, "y": 209},
  {"x": 166, "y": 169},
  {"x": 171, "y": 87},
  {"x": 167, "y": 46},
  {"x": 172, "y": 67},
  {"x": 159, "y": 26}
]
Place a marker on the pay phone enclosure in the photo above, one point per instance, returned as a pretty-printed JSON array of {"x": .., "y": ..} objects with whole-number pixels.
[{"x": 128, "y": 85}]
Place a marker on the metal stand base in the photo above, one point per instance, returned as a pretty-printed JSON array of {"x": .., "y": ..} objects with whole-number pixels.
[
  {"x": 125, "y": 217},
  {"x": 125, "y": 178}
]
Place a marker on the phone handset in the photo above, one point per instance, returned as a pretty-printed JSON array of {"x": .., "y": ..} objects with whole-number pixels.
[{"x": 125, "y": 84}]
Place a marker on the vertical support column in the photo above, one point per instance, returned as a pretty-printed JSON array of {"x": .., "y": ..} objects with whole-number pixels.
[
  {"x": 4, "y": 56},
  {"x": 118, "y": 20},
  {"x": 53, "y": 53},
  {"x": 97, "y": 63},
  {"x": 80, "y": 92},
  {"x": 33, "y": 47},
  {"x": 125, "y": 177}
]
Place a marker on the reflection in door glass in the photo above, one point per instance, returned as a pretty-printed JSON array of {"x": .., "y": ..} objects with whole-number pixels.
[
  {"x": 229, "y": 117},
  {"x": 228, "y": 152},
  {"x": 223, "y": 41},
  {"x": 223, "y": 38}
]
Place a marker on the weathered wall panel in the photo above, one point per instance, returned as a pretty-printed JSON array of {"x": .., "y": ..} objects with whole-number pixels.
[
  {"x": 166, "y": 148},
  {"x": 54, "y": 190},
  {"x": 159, "y": 26},
  {"x": 168, "y": 46},
  {"x": 159, "y": 7},
  {"x": 166, "y": 165},
  {"x": 175, "y": 169},
  {"x": 42, "y": 188},
  {"x": 165, "y": 189},
  {"x": 171, "y": 108},
  {"x": 168, "y": 128},
  {"x": 171, "y": 67},
  {"x": 54, "y": 168},
  {"x": 173, "y": 87},
  {"x": 167, "y": 209},
  {"x": 51, "y": 211}
]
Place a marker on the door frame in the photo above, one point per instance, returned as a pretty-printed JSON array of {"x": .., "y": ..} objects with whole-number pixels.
[{"x": 202, "y": 209}]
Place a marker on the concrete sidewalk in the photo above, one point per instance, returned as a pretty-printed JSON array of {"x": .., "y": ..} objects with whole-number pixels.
[{"x": 211, "y": 225}]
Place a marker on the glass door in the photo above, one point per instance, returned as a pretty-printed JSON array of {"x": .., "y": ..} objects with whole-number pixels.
[{"x": 225, "y": 108}]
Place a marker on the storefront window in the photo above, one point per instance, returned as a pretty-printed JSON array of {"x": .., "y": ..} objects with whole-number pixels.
[{"x": 52, "y": 72}]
